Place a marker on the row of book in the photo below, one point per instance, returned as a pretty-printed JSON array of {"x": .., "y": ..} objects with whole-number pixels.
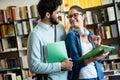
[
  {"x": 9, "y": 63},
  {"x": 112, "y": 75},
  {"x": 14, "y": 35},
  {"x": 10, "y": 44},
  {"x": 10, "y": 76},
  {"x": 14, "y": 76},
  {"x": 22, "y": 27},
  {"x": 13, "y": 13},
  {"x": 12, "y": 63},
  {"x": 107, "y": 32},
  {"x": 100, "y": 15},
  {"x": 111, "y": 66},
  {"x": 18, "y": 27}
]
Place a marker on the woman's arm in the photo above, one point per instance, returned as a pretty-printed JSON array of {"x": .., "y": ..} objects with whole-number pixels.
[{"x": 73, "y": 50}]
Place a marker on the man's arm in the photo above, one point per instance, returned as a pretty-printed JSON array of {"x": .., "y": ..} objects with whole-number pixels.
[{"x": 36, "y": 57}]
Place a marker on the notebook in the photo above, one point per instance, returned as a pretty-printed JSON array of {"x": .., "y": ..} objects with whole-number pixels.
[{"x": 56, "y": 52}]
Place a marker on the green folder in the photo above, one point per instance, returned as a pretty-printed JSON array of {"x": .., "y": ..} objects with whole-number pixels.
[
  {"x": 56, "y": 52},
  {"x": 98, "y": 50}
]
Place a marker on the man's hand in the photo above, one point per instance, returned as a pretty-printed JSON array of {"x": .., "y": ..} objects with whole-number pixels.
[{"x": 67, "y": 64}]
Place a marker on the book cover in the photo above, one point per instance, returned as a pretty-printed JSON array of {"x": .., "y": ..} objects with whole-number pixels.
[
  {"x": 119, "y": 27},
  {"x": 24, "y": 62},
  {"x": 1, "y": 48},
  {"x": 102, "y": 30},
  {"x": 4, "y": 32},
  {"x": 10, "y": 30},
  {"x": 111, "y": 13},
  {"x": 108, "y": 32},
  {"x": 89, "y": 17},
  {"x": 1, "y": 78},
  {"x": 97, "y": 17},
  {"x": 117, "y": 7},
  {"x": 114, "y": 32},
  {"x": 104, "y": 15},
  {"x": 56, "y": 52},
  {"x": 10, "y": 76},
  {"x": 98, "y": 50},
  {"x": 25, "y": 27}
]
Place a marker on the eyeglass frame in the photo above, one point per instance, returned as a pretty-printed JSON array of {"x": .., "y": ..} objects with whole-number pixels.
[{"x": 75, "y": 15}]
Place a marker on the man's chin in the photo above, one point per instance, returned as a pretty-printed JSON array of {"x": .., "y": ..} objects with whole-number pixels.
[{"x": 55, "y": 23}]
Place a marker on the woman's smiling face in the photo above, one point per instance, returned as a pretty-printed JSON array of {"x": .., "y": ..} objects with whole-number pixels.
[{"x": 76, "y": 19}]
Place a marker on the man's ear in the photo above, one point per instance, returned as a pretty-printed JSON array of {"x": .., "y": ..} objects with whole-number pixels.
[{"x": 48, "y": 15}]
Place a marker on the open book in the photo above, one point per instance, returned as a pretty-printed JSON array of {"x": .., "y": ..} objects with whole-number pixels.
[
  {"x": 56, "y": 52},
  {"x": 98, "y": 50}
]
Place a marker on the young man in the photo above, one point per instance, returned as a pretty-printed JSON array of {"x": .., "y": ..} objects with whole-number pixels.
[{"x": 43, "y": 33}]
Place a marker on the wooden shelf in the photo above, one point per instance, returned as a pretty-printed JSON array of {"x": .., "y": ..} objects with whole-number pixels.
[
  {"x": 105, "y": 23},
  {"x": 111, "y": 41},
  {"x": 11, "y": 54},
  {"x": 11, "y": 69},
  {"x": 99, "y": 7}
]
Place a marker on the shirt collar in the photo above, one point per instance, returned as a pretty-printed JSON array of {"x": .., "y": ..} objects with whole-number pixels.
[{"x": 46, "y": 26}]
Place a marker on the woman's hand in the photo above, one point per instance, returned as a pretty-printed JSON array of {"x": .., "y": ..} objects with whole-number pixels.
[
  {"x": 96, "y": 39},
  {"x": 101, "y": 56}
]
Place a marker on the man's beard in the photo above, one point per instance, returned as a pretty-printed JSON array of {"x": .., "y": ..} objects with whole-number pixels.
[{"x": 53, "y": 21}]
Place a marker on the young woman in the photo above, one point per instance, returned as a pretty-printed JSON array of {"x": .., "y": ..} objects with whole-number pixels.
[{"x": 80, "y": 41}]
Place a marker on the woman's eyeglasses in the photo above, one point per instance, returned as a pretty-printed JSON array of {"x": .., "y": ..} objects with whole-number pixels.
[{"x": 75, "y": 15}]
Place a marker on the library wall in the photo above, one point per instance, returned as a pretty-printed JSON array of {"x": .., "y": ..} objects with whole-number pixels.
[{"x": 99, "y": 21}]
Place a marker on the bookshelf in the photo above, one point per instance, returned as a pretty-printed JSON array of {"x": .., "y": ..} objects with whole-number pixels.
[
  {"x": 105, "y": 22},
  {"x": 105, "y": 26},
  {"x": 17, "y": 20}
]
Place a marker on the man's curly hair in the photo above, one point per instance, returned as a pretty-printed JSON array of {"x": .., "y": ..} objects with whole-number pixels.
[{"x": 47, "y": 6}]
